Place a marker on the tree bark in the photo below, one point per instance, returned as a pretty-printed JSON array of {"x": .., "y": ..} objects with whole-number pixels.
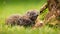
[{"x": 54, "y": 10}]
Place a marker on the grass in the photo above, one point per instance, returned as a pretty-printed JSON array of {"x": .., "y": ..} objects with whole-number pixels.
[
  {"x": 20, "y": 7},
  {"x": 22, "y": 30}
]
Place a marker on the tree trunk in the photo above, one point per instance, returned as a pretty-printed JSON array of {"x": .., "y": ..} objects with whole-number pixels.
[{"x": 54, "y": 11}]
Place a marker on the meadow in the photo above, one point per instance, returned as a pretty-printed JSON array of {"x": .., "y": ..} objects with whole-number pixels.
[{"x": 9, "y": 7}]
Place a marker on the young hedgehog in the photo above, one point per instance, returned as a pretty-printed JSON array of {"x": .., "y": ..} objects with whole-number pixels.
[{"x": 26, "y": 20}]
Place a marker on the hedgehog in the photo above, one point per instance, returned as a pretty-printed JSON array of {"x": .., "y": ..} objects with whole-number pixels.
[{"x": 27, "y": 19}]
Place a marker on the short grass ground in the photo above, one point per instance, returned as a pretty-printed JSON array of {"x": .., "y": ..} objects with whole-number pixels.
[{"x": 20, "y": 7}]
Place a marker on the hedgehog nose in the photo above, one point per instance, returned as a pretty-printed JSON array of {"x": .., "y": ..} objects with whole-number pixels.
[{"x": 36, "y": 15}]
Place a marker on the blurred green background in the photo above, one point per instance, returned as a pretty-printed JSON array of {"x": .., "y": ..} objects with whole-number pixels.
[{"x": 8, "y": 7}]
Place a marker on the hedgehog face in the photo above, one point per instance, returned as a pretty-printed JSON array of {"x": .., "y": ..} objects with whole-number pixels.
[{"x": 33, "y": 15}]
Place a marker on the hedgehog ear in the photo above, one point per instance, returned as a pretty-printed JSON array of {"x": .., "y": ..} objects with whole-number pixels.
[{"x": 28, "y": 13}]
